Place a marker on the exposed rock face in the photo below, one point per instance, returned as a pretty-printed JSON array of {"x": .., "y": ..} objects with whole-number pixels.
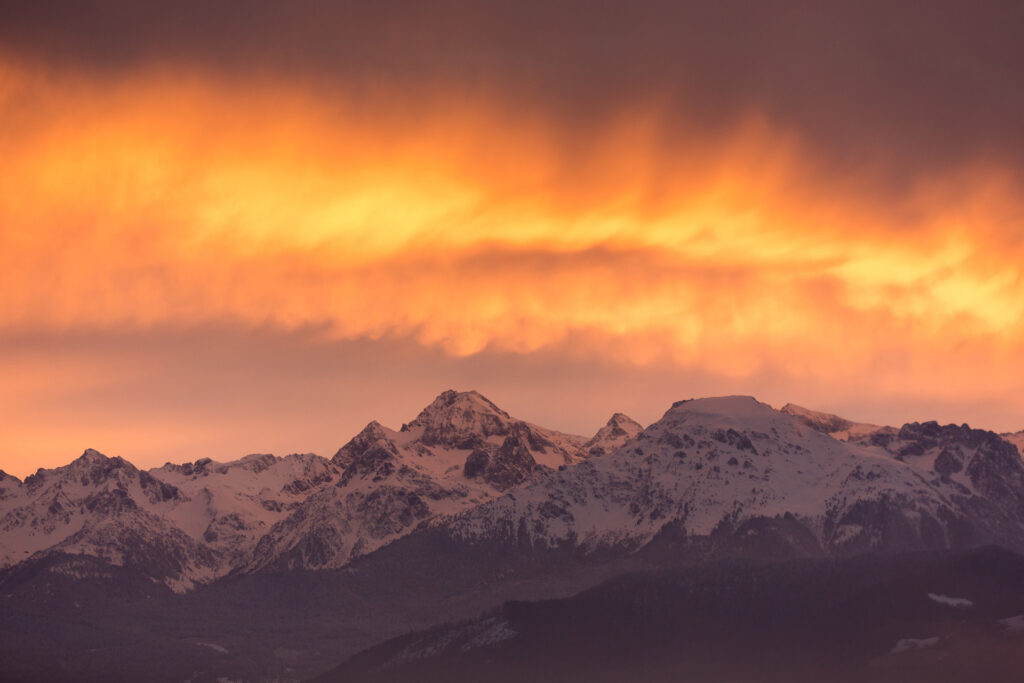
[
  {"x": 476, "y": 464},
  {"x": 372, "y": 436},
  {"x": 513, "y": 463},
  {"x": 986, "y": 468},
  {"x": 373, "y": 456}
]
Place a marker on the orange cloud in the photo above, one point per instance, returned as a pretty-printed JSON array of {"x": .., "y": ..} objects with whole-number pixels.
[{"x": 161, "y": 199}]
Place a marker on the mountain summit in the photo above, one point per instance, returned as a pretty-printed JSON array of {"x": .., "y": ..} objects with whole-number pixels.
[
  {"x": 460, "y": 451},
  {"x": 459, "y": 420}
]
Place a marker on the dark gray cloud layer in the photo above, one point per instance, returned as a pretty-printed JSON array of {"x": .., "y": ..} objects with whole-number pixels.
[{"x": 897, "y": 87}]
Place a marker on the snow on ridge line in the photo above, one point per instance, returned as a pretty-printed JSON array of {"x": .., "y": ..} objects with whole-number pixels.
[{"x": 733, "y": 460}]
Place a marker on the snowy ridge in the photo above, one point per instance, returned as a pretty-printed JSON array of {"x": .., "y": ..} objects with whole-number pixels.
[
  {"x": 837, "y": 427},
  {"x": 180, "y": 524},
  {"x": 459, "y": 452},
  {"x": 736, "y": 470},
  {"x": 188, "y": 524},
  {"x": 106, "y": 508},
  {"x": 230, "y": 506}
]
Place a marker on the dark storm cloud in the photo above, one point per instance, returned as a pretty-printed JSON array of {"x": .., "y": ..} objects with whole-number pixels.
[{"x": 882, "y": 86}]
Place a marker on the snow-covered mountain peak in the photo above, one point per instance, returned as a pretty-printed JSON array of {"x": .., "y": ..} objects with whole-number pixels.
[
  {"x": 90, "y": 468},
  {"x": 619, "y": 429},
  {"x": 107, "y": 508},
  {"x": 471, "y": 400},
  {"x": 747, "y": 414},
  {"x": 373, "y": 434},
  {"x": 727, "y": 411},
  {"x": 91, "y": 458},
  {"x": 460, "y": 451},
  {"x": 459, "y": 420}
]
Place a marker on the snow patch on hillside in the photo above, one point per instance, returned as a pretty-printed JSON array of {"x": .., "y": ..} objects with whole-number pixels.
[{"x": 951, "y": 602}]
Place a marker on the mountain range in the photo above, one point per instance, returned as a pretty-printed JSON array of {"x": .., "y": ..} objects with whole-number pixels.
[
  {"x": 189, "y": 524},
  {"x": 458, "y": 510}
]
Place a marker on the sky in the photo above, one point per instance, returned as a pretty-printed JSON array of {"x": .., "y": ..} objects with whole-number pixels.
[{"x": 236, "y": 227}]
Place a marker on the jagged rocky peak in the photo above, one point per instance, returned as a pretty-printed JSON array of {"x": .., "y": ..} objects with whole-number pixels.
[
  {"x": 374, "y": 435},
  {"x": 91, "y": 459},
  {"x": 989, "y": 461},
  {"x": 621, "y": 424},
  {"x": 459, "y": 419},
  {"x": 92, "y": 467},
  {"x": 619, "y": 429},
  {"x": 257, "y": 462},
  {"x": 199, "y": 468}
]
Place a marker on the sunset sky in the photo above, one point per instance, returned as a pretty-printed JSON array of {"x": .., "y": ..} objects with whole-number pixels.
[{"x": 237, "y": 227}]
